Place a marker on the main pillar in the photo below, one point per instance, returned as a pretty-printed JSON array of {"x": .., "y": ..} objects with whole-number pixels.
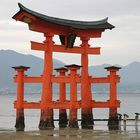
[
  {"x": 73, "y": 123},
  {"x": 113, "y": 121},
  {"x": 86, "y": 97},
  {"x": 20, "y": 125},
  {"x": 62, "y": 98},
  {"x": 46, "y": 119}
]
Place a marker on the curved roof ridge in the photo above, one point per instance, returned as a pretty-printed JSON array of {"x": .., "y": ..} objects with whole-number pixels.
[{"x": 66, "y": 22}]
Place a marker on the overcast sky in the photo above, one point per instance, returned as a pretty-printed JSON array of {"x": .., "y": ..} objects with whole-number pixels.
[{"x": 118, "y": 46}]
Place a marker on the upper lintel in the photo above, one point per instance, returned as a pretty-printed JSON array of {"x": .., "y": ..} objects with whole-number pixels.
[{"x": 83, "y": 25}]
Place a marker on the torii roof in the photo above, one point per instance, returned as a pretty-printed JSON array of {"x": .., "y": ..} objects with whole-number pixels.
[{"x": 100, "y": 24}]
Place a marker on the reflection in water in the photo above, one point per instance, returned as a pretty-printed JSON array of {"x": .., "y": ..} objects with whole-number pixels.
[
  {"x": 136, "y": 122},
  {"x": 136, "y": 129},
  {"x": 125, "y": 117},
  {"x": 124, "y": 126},
  {"x": 120, "y": 125},
  {"x": 70, "y": 134}
]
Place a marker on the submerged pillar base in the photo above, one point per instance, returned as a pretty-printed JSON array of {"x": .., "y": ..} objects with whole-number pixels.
[
  {"x": 73, "y": 122},
  {"x": 46, "y": 119},
  {"x": 87, "y": 119},
  {"x": 113, "y": 123},
  {"x": 113, "y": 120},
  {"x": 63, "y": 119},
  {"x": 20, "y": 125}
]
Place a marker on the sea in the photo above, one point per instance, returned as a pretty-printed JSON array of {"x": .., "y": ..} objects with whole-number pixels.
[{"x": 130, "y": 104}]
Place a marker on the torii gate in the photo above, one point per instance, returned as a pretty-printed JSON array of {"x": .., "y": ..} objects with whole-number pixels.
[{"x": 67, "y": 30}]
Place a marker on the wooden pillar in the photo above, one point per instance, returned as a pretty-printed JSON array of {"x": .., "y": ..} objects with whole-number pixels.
[
  {"x": 113, "y": 116},
  {"x": 62, "y": 98},
  {"x": 20, "y": 125},
  {"x": 86, "y": 98},
  {"x": 46, "y": 119},
  {"x": 73, "y": 123}
]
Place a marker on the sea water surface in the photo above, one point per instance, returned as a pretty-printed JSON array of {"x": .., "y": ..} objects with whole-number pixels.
[{"x": 130, "y": 103}]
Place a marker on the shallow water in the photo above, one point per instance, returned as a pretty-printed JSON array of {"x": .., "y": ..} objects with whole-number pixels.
[
  {"x": 130, "y": 103},
  {"x": 72, "y": 134}
]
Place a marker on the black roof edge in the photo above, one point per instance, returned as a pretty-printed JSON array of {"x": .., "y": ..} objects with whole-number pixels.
[{"x": 103, "y": 24}]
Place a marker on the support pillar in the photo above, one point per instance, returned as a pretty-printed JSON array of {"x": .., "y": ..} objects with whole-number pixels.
[
  {"x": 86, "y": 97},
  {"x": 20, "y": 125},
  {"x": 46, "y": 118},
  {"x": 113, "y": 121},
  {"x": 62, "y": 98},
  {"x": 73, "y": 123}
]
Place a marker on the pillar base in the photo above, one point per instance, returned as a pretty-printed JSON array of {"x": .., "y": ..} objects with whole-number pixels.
[
  {"x": 73, "y": 124},
  {"x": 87, "y": 119},
  {"x": 43, "y": 125},
  {"x": 63, "y": 119},
  {"x": 113, "y": 123},
  {"x": 20, "y": 125},
  {"x": 46, "y": 119}
]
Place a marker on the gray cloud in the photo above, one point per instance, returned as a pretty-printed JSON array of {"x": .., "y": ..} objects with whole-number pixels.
[{"x": 122, "y": 41}]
